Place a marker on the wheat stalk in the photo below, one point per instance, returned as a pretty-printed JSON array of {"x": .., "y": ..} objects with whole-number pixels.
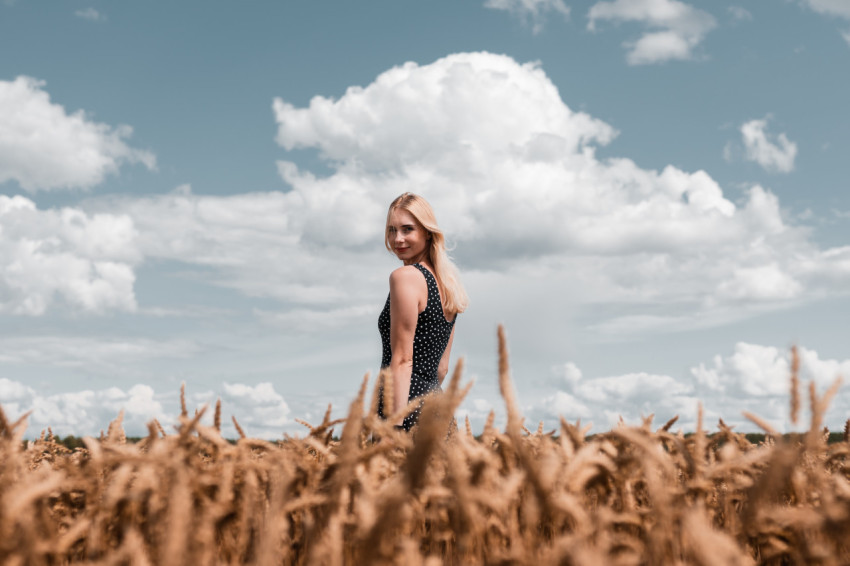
[{"x": 626, "y": 496}]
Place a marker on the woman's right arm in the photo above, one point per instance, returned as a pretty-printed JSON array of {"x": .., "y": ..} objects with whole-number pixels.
[{"x": 406, "y": 285}]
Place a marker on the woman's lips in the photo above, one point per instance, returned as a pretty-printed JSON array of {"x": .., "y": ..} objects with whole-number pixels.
[{"x": 401, "y": 249}]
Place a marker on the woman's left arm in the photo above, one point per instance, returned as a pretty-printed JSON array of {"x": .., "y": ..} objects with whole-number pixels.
[
  {"x": 406, "y": 289},
  {"x": 443, "y": 368}
]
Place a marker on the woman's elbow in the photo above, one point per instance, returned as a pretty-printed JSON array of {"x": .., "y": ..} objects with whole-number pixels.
[{"x": 401, "y": 362}]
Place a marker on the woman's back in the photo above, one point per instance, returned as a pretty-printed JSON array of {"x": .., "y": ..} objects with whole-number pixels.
[{"x": 430, "y": 340}]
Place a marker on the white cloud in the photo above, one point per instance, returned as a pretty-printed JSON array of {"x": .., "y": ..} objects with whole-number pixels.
[
  {"x": 840, "y": 8},
  {"x": 773, "y": 153},
  {"x": 674, "y": 28},
  {"x": 42, "y": 147},
  {"x": 757, "y": 378},
  {"x": 533, "y": 10},
  {"x": 475, "y": 104},
  {"x": 758, "y": 283},
  {"x": 90, "y": 14},
  {"x": 260, "y": 410},
  {"x": 84, "y": 259},
  {"x": 603, "y": 400},
  {"x": 752, "y": 370},
  {"x": 754, "y": 378},
  {"x": 84, "y": 412},
  {"x": 261, "y": 406},
  {"x": 740, "y": 13}
]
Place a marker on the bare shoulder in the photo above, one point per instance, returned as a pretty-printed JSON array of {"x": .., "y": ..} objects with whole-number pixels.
[
  {"x": 408, "y": 285},
  {"x": 406, "y": 275}
]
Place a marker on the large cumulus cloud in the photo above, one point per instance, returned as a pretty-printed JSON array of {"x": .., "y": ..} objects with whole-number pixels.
[
  {"x": 510, "y": 167},
  {"x": 513, "y": 174}
]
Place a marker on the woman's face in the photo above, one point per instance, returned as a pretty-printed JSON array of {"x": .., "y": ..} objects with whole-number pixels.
[{"x": 408, "y": 238}]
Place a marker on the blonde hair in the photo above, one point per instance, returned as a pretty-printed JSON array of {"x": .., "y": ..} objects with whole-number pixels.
[{"x": 452, "y": 292}]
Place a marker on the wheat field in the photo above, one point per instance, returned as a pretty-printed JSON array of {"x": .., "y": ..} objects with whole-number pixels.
[{"x": 633, "y": 495}]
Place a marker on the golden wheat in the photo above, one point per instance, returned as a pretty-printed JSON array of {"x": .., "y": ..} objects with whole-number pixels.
[{"x": 440, "y": 496}]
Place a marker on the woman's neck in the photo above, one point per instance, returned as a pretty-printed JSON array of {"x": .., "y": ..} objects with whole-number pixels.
[{"x": 423, "y": 259}]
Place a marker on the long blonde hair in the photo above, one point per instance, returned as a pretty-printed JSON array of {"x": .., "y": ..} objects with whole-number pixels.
[{"x": 452, "y": 292}]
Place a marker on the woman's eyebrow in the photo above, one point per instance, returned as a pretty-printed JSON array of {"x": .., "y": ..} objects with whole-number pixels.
[{"x": 392, "y": 227}]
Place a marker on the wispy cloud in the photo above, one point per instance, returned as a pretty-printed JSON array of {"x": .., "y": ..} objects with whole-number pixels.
[
  {"x": 840, "y": 8},
  {"x": 534, "y": 12},
  {"x": 674, "y": 28},
  {"x": 740, "y": 13},
  {"x": 101, "y": 355},
  {"x": 775, "y": 153},
  {"x": 91, "y": 15},
  {"x": 836, "y": 8}
]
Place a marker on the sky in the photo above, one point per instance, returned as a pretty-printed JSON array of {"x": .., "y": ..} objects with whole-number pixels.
[{"x": 651, "y": 196}]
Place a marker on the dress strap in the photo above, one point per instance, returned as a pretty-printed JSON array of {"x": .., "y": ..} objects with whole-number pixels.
[{"x": 429, "y": 277}]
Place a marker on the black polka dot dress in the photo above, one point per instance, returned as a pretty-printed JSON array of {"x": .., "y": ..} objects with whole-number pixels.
[{"x": 429, "y": 343}]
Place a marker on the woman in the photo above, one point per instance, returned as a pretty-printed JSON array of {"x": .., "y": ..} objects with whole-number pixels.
[{"x": 417, "y": 323}]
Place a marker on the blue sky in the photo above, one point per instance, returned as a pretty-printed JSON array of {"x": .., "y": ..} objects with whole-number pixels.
[{"x": 650, "y": 194}]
